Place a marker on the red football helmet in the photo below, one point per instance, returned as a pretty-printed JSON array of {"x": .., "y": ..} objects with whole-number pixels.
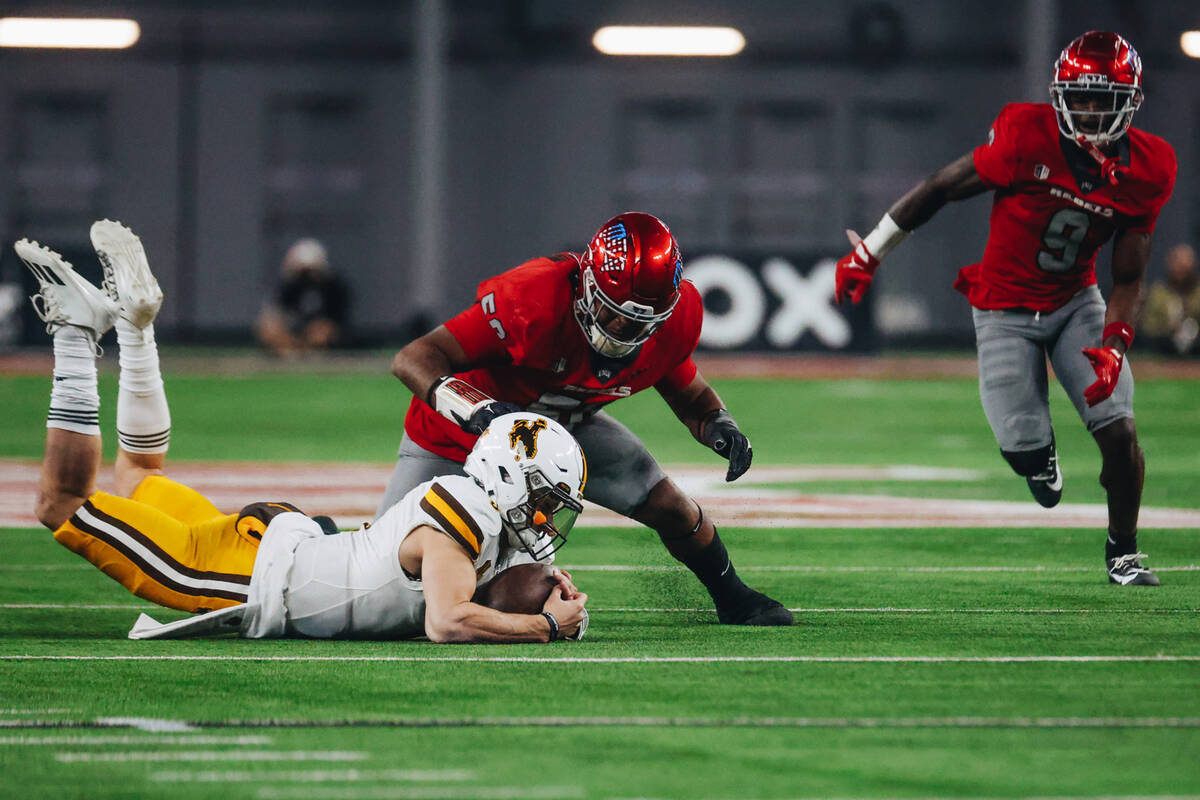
[
  {"x": 628, "y": 283},
  {"x": 1097, "y": 86}
]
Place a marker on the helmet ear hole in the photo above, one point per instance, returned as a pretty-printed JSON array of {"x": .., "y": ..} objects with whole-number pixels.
[{"x": 505, "y": 475}]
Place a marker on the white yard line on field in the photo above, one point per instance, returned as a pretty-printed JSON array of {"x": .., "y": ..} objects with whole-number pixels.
[
  {"x": 422, "y": 793},
  {"x": 744, "y": 721},
  {"x": 640, "y": 610},
  {"x": 314, "y": 776},
  {"x": 150, "y": 739},
  {"x": 211, "y": 755},
  {"x": 894, "y": 610},
  {"x": 1009, "y": 659}
]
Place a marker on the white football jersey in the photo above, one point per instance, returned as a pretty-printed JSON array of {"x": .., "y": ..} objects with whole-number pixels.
[{"x": 351, "y": 585}]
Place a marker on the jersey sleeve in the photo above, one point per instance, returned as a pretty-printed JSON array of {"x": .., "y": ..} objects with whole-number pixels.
[
  {"x": 690, "y": 314},
  {"x": 515, "y": 314},
  {"x": 996, "y": 159},
  {"x": 453, "y": 518},
  {"x": 1166, "y": 168},
  {"x": 477, "y": 337},
  {"x": 678, "y": 379}
]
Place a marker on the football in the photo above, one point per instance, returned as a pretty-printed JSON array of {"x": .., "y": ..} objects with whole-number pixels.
[{"x": 522, "y": 589}]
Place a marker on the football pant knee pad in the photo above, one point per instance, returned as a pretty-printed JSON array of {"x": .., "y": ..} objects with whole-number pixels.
[
  {"x": 683, "y": 533},
  {"x": 1027, "y": 463}
]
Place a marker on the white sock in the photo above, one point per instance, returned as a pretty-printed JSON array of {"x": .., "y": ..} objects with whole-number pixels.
[
  {"x": 143, "y": 418},
  {"x": 74, "y": 399}
]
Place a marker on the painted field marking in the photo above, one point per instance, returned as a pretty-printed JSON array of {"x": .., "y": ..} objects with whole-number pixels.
[
  {"x": 198, "y": 739},
  {"x": 635, "y": 610},
  {"x": 743, "y": 721},
  {"x": 37, "y": 711},
  {"x": 350, "y": 492},
  {"x": 634, "y": 659},
  {"x": 423, "y": 793},
  {"x": 1038, "y": 797},
  {"x": 675, "y": 568},
  {"x": 894, "y": 610},
  {"x": 854, "y": 568},
  {"x": 79, "y": 607},
  {"x": 212, "y": 755},
  {"x": 314, "y": 776}
]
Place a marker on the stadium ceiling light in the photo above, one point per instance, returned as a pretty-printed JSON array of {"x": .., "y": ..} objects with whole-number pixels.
[
  {"x": 108, "y": 34},
  {"x": 1189, "y": 42},
  {"x": 619, "y": 40}
]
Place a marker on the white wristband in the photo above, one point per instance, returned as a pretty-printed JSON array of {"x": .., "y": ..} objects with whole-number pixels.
[
  {"x": 457, "y": 400},
  {"x": 884, "y": 238}
]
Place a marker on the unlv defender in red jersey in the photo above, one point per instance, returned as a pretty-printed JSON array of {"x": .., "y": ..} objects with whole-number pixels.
[
  {"x": 1066, "y": 178},
  {"x": 542, "y": 361},
  {"x": 565, "y": 336}
]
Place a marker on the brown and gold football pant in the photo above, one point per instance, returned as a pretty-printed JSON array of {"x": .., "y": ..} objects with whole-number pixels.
[{"x": 167, "y": 544}]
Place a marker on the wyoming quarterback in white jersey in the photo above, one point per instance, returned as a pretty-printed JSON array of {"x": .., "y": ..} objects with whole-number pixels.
[
  {"x": 353, "y": 586},
  {"x": 270, "y": 570}
]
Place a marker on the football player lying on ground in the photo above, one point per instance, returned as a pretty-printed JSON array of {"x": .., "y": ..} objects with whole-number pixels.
[
  {"x": 413, "y": 571},
  {"x": 1066, "y": 177}
]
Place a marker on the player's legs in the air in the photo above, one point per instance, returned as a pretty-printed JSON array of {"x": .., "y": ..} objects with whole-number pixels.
[
  {"x": 1123, "y": 466},
  {"x": 414, "y": 466},
  {"x": 152, "y": 553},
  {"x": 1014, "y": 391},
  {"x": 77, "y": 315},
  {"x": 624, "y": 477}
]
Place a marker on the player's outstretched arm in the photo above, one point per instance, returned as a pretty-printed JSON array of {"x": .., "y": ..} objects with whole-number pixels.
[
  {"x": 957, "y": 180},
  {"x": 427, "y": 365},
  {"x": 426, "y": 359},
  {"x": 1131, "y": 255},
  {"x": 699, "y": 408},
  {"x": 448, "y": 580}
]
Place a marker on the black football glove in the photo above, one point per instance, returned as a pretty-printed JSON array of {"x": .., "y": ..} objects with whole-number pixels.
[
  {"x": 479, "y": 421},
  {"x": 721, "y": 433}
]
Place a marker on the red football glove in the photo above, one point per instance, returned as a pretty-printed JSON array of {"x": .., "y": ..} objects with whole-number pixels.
[
  {"x": 1107, "y": 363},
  {"x": 854, "y": 272}
]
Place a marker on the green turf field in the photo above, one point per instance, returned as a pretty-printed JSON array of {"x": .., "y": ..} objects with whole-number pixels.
[{"x": 940, "y": 662}]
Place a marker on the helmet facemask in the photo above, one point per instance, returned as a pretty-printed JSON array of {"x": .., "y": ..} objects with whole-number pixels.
[
  {"x": 1097, "y": 112},
  {"x": 540, "y": 523},
  {"x": 534, "y": 473},
  {"x": 612, "y": 329}
]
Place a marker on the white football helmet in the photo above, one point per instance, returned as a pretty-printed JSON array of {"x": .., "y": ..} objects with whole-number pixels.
[{"x": 534, "y": 473}]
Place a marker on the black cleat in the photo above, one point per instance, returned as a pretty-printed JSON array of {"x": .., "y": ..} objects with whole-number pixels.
[
  {"x": 753, "y": 608},
  {"x": 1127, "y": 570},
  {"x": 1047, "y": 486}
]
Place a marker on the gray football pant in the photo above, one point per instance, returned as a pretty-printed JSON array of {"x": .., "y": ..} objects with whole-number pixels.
[
  {"x": 621, "y": 471},
  {"x": 1013, "y": 347}
]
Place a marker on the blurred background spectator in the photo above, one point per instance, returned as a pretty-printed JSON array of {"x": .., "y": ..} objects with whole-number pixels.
[
  {"x": 1172, "y": 314},
  {"x": 310, "y": 307}
]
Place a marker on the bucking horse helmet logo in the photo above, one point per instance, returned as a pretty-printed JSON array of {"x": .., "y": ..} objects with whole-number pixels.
[{"x": 525, "y": 432}]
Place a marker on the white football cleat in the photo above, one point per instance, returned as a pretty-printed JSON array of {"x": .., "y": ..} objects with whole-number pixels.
[
  {"x": 64, "y": 298},
  {"x": 127, "y": 276}
]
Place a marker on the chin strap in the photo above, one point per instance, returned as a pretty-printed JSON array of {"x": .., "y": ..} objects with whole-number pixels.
[{"x": 1110, "y": 167}]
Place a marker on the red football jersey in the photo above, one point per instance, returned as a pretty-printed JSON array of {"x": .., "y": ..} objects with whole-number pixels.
[
  {"x": 1052, "y": 212},
  {"x": 523, "y": 326}
]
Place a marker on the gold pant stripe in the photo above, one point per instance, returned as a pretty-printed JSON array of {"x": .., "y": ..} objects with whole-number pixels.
[
  {"x": 153, "y": 560},
  {"x": 189, "y": 565}
]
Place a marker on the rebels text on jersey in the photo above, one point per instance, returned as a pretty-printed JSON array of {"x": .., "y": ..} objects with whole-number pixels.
[
  {"x": 1052, "y": 212},
  {"x": 523, "y": 326}
]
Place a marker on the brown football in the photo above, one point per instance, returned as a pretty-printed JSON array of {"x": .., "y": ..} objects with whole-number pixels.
[{"x": 522, "y": 589}]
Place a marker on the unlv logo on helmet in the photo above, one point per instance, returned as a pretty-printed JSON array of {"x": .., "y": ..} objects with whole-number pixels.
[
  {"x": 628, "y": 283},
  {"x": 613, "y": 245},
  {"x": 525, "y": 433}
]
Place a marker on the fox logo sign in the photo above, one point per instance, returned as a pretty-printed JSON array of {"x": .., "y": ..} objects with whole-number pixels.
[{"x": 525, "y": 433}]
